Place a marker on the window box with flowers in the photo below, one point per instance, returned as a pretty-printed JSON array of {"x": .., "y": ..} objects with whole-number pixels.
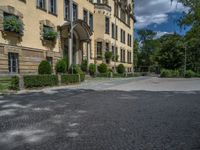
[
  {"x": 49, "y": 33},
  {"x": 12, "y": 24}
]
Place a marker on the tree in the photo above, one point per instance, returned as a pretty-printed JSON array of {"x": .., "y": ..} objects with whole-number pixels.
[
  {"x": 146, "y": 34},
  {"x": 171, "y": 54}
]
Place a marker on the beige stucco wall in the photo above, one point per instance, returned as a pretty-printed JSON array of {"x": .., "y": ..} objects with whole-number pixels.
[{"x": 99, "y": 32}]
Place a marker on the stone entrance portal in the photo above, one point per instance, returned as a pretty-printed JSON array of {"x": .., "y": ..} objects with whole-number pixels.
[{"x": 81, "y": 38}]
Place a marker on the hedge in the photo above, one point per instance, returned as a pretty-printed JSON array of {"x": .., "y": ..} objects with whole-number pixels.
[
  {"x": 31, "y": 81},
  {"x": 14, "y": 85},
  {"x": 69, "y": 78},
  {"x": 82, "y": 77},
  {"x": 117, "y": 75},
  {"x": 104, "y": 75}
]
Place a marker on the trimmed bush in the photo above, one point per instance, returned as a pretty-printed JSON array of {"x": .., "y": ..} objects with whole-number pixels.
[
  {"x": 84, "y": 65},
  {"x": 108, "y": 56},
  {"x": 92, "y": 69},
  {"x": 69, "y": 78},
  {"x": 82, "y": 77},
  {"x": 102, "y": 68},
  {"x": 121, "y": 69},
  {"x": 31, "y": 81},
  {"x": 44, "y": 68},
  {"x": 104, "y": 75},
  {"x": 190, "y": 74},
  {"x": 75, "y": 69},
  {"x": 61, "y": 66},
  {"x": 117, "y": 75},
  {"x": 14, "y": 85}
]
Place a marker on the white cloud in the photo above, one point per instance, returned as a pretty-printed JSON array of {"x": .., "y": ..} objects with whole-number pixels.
[
  {"x": 155, "y": 11},
  {"x": 159, "y": 34}
]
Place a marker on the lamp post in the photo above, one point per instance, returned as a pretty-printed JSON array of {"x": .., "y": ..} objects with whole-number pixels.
[
  {"x": 185, "y": 61},
  {"x": 71, "y": 34}
]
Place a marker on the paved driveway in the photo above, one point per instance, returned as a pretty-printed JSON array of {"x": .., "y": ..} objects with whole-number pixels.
[{"x": 72, "y": 119}]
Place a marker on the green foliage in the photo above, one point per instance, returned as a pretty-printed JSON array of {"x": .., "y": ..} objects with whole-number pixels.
[
  {"x": 102, "y": 68},
  {"x": 61, "y": 66},
  {"x": 172, "y": 52},
  {"x": 146, "y": 34},
  {"x": 49, "y": 33},
  {"x": 75, "y": 69},
  {"x": 31, "y": 81},
  {"x": 14, "y": 83},
  {"x": 121, "y": 69},
  {"x": 190, "y": 74},
  {"x": 115, "y": 58},
  {"x": 84, "y": 65},
  {"x": 108, "y": 56},
  {"x": 69, "y": 79},
  {"x": 92, "y": 69},
  {"x": 118, "y": 75},
  {"x": 13, "y": 24},
  {"x": 169, "y": 73},
  {"x": 104, "y": 75},
  {"x": 44, "y": 67},
  {"x": 82, "y": 77}
]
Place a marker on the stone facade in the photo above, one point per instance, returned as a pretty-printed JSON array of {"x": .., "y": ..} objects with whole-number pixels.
[{"x": 31, "y": 48}]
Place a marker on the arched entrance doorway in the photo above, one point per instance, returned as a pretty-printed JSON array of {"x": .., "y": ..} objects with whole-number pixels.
[{"x": 81, "y": 36}]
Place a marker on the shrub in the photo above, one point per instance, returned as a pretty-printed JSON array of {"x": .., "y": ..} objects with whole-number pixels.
[
  {"x": 120, "y": 69},
  {"x": 49, "y": 33},
  {"x": 61, "y": 66},
  {"x": 108, "y": 56},
  {"x": 190, "y": 74},
  {"x": 84, "y": 65},
  {"x": 164, "y": 73},
  {"x": 104, "y": 75},
  {"x": 31, "y": 81},
  {"x": 82, "y": 77},
  {"x": 69, "y": 78},
  {"x": 117, "y": 75},
  {"x": 75, "y": 69},
  {"x": 115, "y": 58},
  {"x": 44, "y": 67},
  {"x": 13, "y": 24},
  {"x": 102, "y": 68},
  {"x": 169, "y": 73},
  {"x": 92, "y": 69},
  {"x": 14, "y": 85}
]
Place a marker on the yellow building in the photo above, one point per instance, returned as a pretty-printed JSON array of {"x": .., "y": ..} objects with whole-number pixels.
[{"x": 43, "y": 33}]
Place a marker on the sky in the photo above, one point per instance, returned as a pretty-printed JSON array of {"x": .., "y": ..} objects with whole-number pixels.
[{"x": 159, "y": 15}]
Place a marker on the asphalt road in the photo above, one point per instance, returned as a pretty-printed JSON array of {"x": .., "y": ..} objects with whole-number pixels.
[{"x": 75, "y": 119}]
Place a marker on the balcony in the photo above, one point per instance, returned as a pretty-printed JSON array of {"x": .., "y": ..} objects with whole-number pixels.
[{"x": 102, "y": 6}]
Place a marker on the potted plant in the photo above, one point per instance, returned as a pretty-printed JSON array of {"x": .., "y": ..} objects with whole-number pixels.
[
  {"x": 13, "y": 24},
  {"x": 108, "y": 56},
  {"x": 49, "y": 34}
]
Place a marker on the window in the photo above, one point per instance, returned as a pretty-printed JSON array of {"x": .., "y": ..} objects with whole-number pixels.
[
  {"x": 129, "y": 40},
  {"x": 85, "y": 16},
  {"x": 116, "y": 32},
  {"x": 99, "y": 50},
  {"x": 91, "y": 21},
  {"x": 121, "y": 55},
  {"x": 113, "y": 50},
  {"x": 113, "y": 30},
  {"x": 52, "y": 6},
  {"x": 75, "y": 12},
  {"x": 107, "y": 25},
  {"x": 13, "y": 62},
  {"x": 107, "y": 47},
  {"x": 129, "y": 57},
  {"x": 128, "y": 20},
  {"x": 67, "y": 10},
  {"x": 123, "y": 36},
  {"x": 41, "y": 4}
]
